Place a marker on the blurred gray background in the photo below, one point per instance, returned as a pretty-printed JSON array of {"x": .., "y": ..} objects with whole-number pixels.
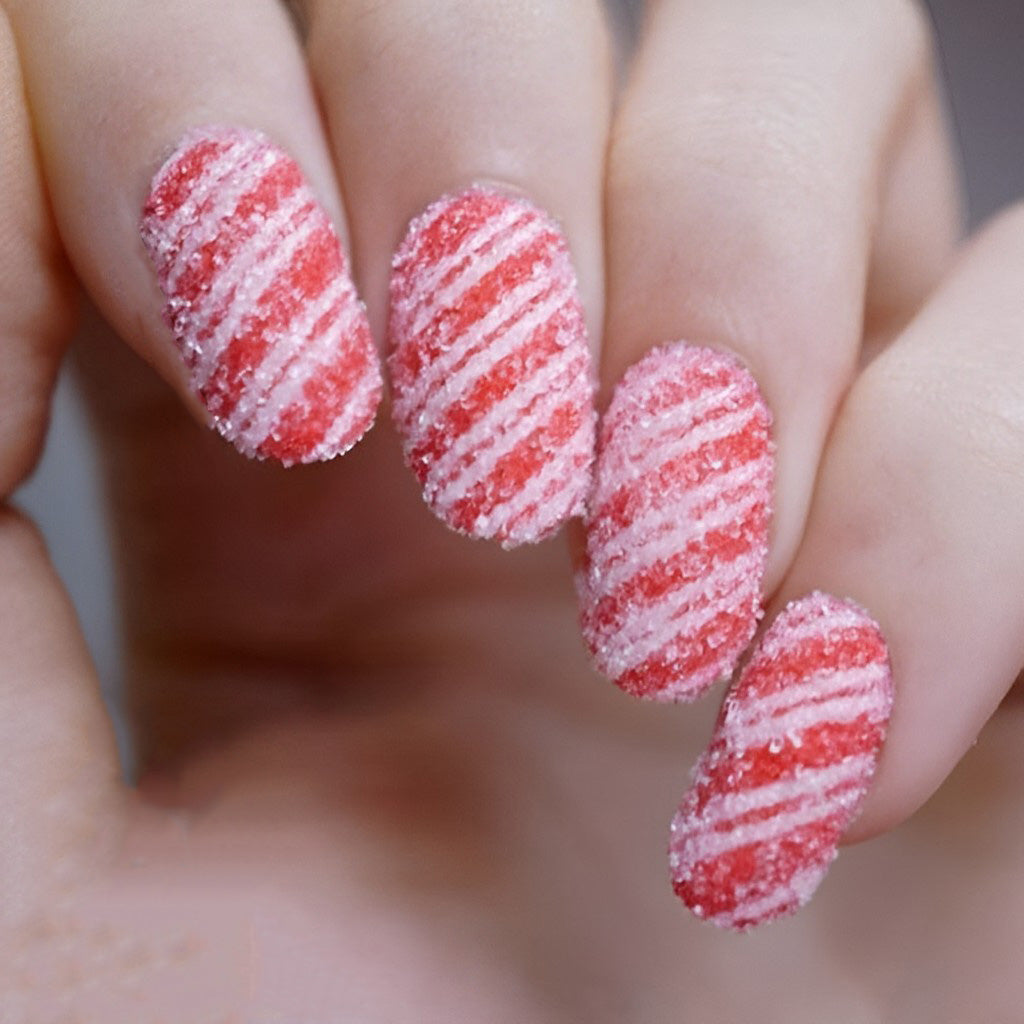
[{"x": 982, "y": 51}]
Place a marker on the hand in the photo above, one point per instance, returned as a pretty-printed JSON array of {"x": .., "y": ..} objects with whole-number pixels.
[{"x": 378, "y": 781}]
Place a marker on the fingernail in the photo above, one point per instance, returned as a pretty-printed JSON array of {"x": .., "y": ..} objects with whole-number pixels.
[
  {"x": 793, "y": 753},
  {"x": 677, "y": 529},
  {"x": 259, "y": 298},
  {"x": 490, "y": 367}
]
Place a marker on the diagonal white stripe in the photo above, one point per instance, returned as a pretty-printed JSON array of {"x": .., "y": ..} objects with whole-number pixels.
[
  {"x": 648, "y": 628},
  {"x": 628, "y": 423},
  {"x": 246, "y": 257},
  {"x": 798, "y": 890},
  {"x": 236, "y": 156},
  {"x": 207, "y": 224},
  {"x": 414, "y": 395},
  {"x": 618, "y": 467},
  {"x": 476, "y": 269},
  {"x": 497, "y": 443},
  {"x": 838, "y": 711},
  {"x": 558, "y": 468},
  {"x": 454, "y": 386},
  {"x": 667, "y": 532},
  {"x": 815, "y": 688},
  {"x": 704, "y": 845},
  {"x": 833, "y": 621},
  {"x": 269, "y": 259},
  {"x": 315, "y": 353},
  {"x": 504, "y": 425},
  {"x": 804, "y": 785},
  {"x": 428, "y": 278},
  {"x": 293, "y": 342},
  {"x": 360, "y": 406}
]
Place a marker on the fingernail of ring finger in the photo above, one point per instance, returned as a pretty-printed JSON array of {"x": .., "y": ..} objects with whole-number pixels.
[
  {"x": 490, "y": 367},
  {"x": 677, "y": 530},
  {"x": 259, "y": 298},
  {"x": 793, "y": 753}
]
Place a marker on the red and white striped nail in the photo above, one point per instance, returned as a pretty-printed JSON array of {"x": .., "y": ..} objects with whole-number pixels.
[
  {"x": 793, "y": 753},
  {"x": 259, "y": 298},
  {"x": 677, "y": 528},
  {"x": 490, "y": 367}
]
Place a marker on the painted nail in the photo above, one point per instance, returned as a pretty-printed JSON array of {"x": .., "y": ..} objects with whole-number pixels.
[
  {"x": 259, "y": 298},
  {"x": 677, "y": 529},
  {"x": 490, "y": 367},
  {"x": 793, "y": 753}
]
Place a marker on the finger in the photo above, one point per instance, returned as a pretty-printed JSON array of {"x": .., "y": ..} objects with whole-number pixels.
[
  {"x": 493, "y": 117},
  {"x": 58, "y": 788},
  {"x": 916, "y": 516},
  {"x": 36, "y": 298},
  {"x": 140, "y": 115},
  {"x": 916, "y": 519},
  {"x": 755, "y": 150}
]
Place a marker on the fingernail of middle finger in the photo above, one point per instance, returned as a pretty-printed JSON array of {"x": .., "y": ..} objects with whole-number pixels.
[{"x": 490, "y": 367}]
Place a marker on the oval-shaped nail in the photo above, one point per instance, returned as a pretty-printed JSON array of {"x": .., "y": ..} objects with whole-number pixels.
[
  {"x": 490, "y": 367},
  {"x": 259, "y": 298},
  {"x": 791, "y": 759},
  {"x": 677, "y": 528}
]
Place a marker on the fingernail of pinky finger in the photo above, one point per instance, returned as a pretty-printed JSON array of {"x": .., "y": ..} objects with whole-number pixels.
[
  {"x": 677, "y": 529},
  {"x": 259, "y": 298},
  {"x": 793, "y": 752},
  {"x": 490, "y": 367}
]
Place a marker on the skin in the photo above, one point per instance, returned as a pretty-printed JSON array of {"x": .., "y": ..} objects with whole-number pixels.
[{"x": 377, "y": 780}]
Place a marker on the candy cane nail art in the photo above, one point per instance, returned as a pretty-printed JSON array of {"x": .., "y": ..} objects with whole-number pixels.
[
  {"x": 259, "y": 298},
  {"x": 490, "y": 367},
  {"x": 793, "y": 753},
  {"x": 677, "y": 529}
]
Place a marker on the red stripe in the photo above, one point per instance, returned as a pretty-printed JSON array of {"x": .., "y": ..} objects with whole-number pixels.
[
  {"x": 406, "y": 285},
  {"x": 692, "y": 657},
  {"x": 719, "y": 885},
  {"x": 508, "y": 374},
  {"x": 821, "y": 746},
  {"x": 415, "y": 354},
  {"x": 834, "y": 649},
  {"x": 692, "y": 563},
  {"x": 515, "y": 468},
  {"x": 672, "y": 479},
  {"x": 660, "y": 393},
  {"x": 559, "y": 487},
  {"x": 179, "y": 182},
  {"x": 238, "y": 229},
  {"x": 405, "y": 376},
  {"x": 698, "y": 511},
  {"x": 446, "y": 235},
  {"x": 303, "y": 425},
  {"x": 313, "y": 267}
]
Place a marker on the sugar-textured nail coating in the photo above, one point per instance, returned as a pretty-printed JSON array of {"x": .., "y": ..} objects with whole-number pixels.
[
  {"x": 677, "y": 528},
  {"x": 490, "y": 367},
  {"x": 259, "y": 298},
  {"x": 793, "y": 753}
]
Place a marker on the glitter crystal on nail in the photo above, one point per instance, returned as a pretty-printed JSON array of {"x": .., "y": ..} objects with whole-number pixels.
[
  {"x": 677, "y": 528},
  {"x": 490, "y": 367},
  {"x": 793, "y": 752},
  {"x": 259, "y": 298}
]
